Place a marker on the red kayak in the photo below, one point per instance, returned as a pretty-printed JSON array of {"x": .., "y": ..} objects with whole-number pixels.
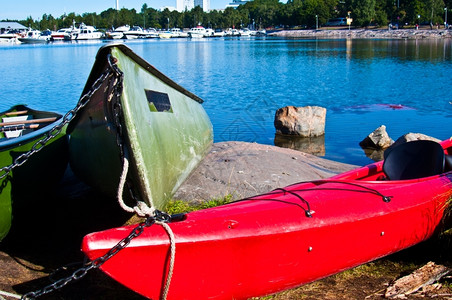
[{"x": 290, "y": 236}]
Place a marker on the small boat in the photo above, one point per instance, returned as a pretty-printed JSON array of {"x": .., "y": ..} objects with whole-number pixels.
[
  {"x": 21, "y": 128},
  {"x": 219, "y": 32},
  {"x": 232, "y": 32},
  {"x": 87, "y": 32},
  {"x": 197, "y": 32},
  {"x": 118, "y": 33},
  {"x": 151, "y": 33},
  {"x": 62, "y": 34},
  {"x": 74, "y": 31},
  {"x": 165, "y": 34},
  {"x": 35, "y": 37},
  {"x": 136, "y": 32},
  {"x": 245, "y": 32},
  {"x": 209, "y": 32},
  {"x": 178, "y": 33},
  {"x": 289, "y": 236},
  {"x": 161, "y": 128},
  {"x": 9, "y": 37}
]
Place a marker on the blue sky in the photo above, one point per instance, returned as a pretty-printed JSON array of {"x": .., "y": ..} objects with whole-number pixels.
[{"x": 21, "y": 9}]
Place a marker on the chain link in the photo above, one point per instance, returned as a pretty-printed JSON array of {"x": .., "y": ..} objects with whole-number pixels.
[
  {"x": 117, "y": 114},
  {"x": 118, "y": 117},
  {"x": 116, "y": 109},
  {"x": 95, "y": 264},
  {"x": 56, "y": 130}
]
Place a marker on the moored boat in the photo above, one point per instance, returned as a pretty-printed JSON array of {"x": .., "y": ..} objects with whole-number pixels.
[
  {"x": 197, "y": 32},
  {"x": 165, "y": 35},
  {"x": 209, "y": 32},
  {"x": 139, "y": 115},
  {"x": 24, "y": 171},
  {"x": 178, "y": 33},
  {"x": 35, "y": 37},
  {"x": 87, "y": 32},
  {"x": 118, "y": 33},
  {"x": 61, "y": 34},
  {"x": 289, "y": 236},
  {"x": 136, "y": 32},
  {"x": 9, "y": 38}
]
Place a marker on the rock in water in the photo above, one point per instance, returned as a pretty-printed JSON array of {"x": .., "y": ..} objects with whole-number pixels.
[
  {"x": 308, "y": 121},
  {"x": 378, "y": 139}
]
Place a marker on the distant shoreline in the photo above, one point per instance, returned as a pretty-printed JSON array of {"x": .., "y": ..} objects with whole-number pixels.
[{"x": 366, "y": 33}]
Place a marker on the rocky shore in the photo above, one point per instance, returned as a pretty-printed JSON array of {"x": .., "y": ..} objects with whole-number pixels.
[
  {"x": 246, "y": 169},
  {"x": 365, "y": 33}
]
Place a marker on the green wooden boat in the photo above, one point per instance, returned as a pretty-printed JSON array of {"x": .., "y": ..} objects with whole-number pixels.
[
  {"x": 132, "y": 110},
  {"x": 27, "y": 166}
]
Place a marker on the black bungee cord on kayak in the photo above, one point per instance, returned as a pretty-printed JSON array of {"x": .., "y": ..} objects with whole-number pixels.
[{"x": 308, "y": 211}]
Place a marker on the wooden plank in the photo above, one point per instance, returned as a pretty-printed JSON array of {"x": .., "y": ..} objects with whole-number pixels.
[
  {"x": 44, "y": 120},
  {"x": 409, "y": 284},
  {"x": 15, "y": 113}
]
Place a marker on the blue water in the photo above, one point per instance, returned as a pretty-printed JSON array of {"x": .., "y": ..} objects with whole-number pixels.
[{"x": 244, "y": 81}]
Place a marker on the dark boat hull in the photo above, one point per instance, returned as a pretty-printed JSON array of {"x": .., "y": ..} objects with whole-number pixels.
[{"x": 41, "y": 170}]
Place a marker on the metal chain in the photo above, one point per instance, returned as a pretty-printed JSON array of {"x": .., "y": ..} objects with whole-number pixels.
[
  {"x": 56, "y": 130},
  {"x": 118, "y": 117},
  {"x": 159, "y": 216},
  {"x": 95, "y": 264}
]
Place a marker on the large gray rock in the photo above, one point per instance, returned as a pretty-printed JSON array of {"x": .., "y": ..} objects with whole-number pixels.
[
  {"x": 248, "y": 169},
  {"x": 378, "y": 139},
  {"x": 409, "y": 137},
  {"x": 308, "y": 121}
]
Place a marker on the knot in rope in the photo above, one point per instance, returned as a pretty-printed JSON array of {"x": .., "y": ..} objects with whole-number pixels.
[{"x": 161, "y": 218}]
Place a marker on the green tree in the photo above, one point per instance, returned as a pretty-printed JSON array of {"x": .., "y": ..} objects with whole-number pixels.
[{"x": 363, "y": 12}]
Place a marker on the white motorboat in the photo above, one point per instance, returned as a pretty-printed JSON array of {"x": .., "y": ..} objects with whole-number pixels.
[
  {"x": 219, "y": 32},
  {"x": 151, "y": 33},
  {"x": 61, "y": 34},
  {"x": 87, "y": 32},
  {"x": 232, "y": 32},
  {"x": 197, "y": 32},
  {"x": 209, "y": 32},
  {"x": 178, "y": 33},
  {"x": 118, "y": 33},
  {"x": 165, "y": 34},
  {"x": 136, "y": 32},
  {"x": 9, "y": 38},
  {"x": 261, "y": 32},
  {"x": 35, "y": 37},
  {"x": 247, "y": 32}
]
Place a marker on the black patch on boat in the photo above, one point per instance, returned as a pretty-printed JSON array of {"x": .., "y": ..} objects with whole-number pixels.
[{"x": 158, "y": 102}]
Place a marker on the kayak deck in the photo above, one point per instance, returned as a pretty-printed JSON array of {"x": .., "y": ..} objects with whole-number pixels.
[{"x": 282, "y": 239}]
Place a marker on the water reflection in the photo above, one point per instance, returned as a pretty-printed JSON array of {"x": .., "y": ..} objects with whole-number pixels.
[
  {"x": 374, "y": 154},
  {"x": 311, "y": 145}
]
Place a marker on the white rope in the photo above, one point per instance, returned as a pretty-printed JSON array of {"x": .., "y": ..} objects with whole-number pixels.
[
  {"x": 3, "y": 293},
  {"x": 172, "y": 258},
  {"x": 142, "y": 210},
  {"x": 122, "y": 182}
]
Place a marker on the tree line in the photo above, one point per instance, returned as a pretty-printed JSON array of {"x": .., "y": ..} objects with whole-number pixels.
[{"x": 261, "y": 14}]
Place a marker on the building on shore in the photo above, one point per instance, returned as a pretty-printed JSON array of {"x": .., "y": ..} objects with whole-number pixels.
[
  {"x": 183, "y": 5},
  {"x": 236, "y": 3},
  {"x": 8, "y": 26}
]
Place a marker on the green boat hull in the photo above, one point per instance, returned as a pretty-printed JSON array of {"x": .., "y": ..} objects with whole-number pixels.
[
  {"x": 166, "y": 131},
  {"x": 37, "y": 174}
]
